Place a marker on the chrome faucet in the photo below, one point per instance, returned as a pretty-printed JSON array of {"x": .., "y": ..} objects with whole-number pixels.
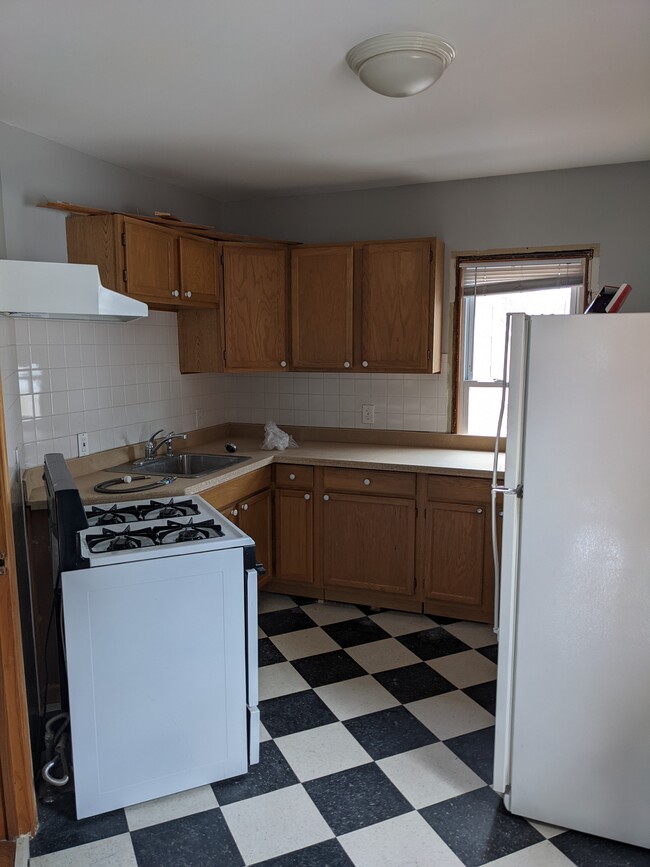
[{"x": 151, "y": 447}]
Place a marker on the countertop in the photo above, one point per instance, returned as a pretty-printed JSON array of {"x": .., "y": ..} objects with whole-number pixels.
[{"x": 417, "y": 459}]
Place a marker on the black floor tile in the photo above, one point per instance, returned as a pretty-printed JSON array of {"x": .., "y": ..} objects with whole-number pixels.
[
  {"x": 413, "y": 682},
  {"x": 286, "y": 620},
  {"x": 268, "y": 653},
  {"x": 586, "y": 850},
  {"x": 271, "y": 773},
  {"x": 327, "y": 854},
  {"x": 203, "y": 838},
  {"x": 388, "y": 732},
  {"x": 478, "y": 828},
  {"x": 432, "y": 643},
  {"x": 60, "y": 829},
  {"x": 349, "y": 633},
  {"x": 304, "y": 600},
  {"x": 443, "y": 621},
  {"x": 484, "y": 694},
  {"x": 327, "y": 668},
  {"x": 476, "y": 749},
  {"x": 491, "y": 652},
  {"x": 356, "y": 798},
  {"x": 294, "y": 713}
]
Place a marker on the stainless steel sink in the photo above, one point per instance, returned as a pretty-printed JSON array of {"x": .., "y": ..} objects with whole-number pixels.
[{"x": 184, "y": 465}]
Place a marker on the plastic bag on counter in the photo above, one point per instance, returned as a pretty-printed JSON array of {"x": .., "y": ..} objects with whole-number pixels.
[{"x": 277, "y": 439}]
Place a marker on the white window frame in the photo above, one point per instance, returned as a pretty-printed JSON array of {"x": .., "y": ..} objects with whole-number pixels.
[{"x": 580, "y": 297}]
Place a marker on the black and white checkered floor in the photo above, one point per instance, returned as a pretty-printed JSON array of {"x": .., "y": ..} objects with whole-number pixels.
[{"x": 377, "y": 750}]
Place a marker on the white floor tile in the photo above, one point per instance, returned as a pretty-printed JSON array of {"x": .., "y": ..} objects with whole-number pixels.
[
  {"x": 451, "y": 714},
  {"x": 116, "y": 851},
  {"x": 270, "y": 825},
  {"x": 356, "y": 697},
  {"x": 474, "y": 634},
  {"x": 430, "y": 774},
  {"x": 325, "y": 613},
  {"x": 540, "y": 855},
  {"x": 260, "y": 632},
  {"x": 304, "y": 642},
  {"x": 273, "y": 602},
  {"x": 382, "y": 655},
  {"x": 321, "y": 751},
  {"x": 401, "y": 622},
  {"x": 465, "y": 669},
  {"x": 547, "y": 831},
  {"x": 171, "y": 807},
  {"x": 405, "y": 840},
  {"x": 280, "y": 679},
  {"x": 264, "y": 735}
]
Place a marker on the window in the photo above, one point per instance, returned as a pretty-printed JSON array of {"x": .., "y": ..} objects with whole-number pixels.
[{"x": 491, "y": 287}]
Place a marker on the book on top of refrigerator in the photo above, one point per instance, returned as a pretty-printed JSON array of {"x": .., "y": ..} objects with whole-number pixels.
[{"x": 610, "y": 299}]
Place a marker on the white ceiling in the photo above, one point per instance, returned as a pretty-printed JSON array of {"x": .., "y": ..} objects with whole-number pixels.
[{"x": 253, "y": 97}]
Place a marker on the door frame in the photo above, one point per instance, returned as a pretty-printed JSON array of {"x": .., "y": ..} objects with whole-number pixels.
[{"x": 17, "y": 797}]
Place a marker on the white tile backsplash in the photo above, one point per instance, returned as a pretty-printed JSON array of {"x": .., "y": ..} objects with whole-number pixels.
[{"x": 118, "y": 382}]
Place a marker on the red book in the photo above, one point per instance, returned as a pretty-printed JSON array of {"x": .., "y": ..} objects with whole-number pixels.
[{"x": 610, "y": 299}]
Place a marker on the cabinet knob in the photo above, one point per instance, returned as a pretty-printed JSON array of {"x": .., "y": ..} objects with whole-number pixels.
[
  {"x": 346, "y": 364},
  {"x": 283, "y": 364},
  {"x": 188, "y": 294},
  {"x": 326, "y": 497},
  {"x": 292, "y": 476},
  {"x": 234, "y": 512},
  {"x": 364, "y": 364},
  {"x": 501, "y": 513},
  {"x": 175, "y": 293},
  {"x": 244, "y": 507},
  {"x": 366, "y": 481},
  {"x": 479, "y": 511},
  {"x": 307, "y": 496}
]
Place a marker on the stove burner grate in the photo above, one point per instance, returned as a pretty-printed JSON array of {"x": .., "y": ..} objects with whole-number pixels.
[
  {"x": 190, "y": 532},
  {"x": 172, "y": 509},
  {"x": 121, "y": 540},
  {"x": 115, "y": 514}
]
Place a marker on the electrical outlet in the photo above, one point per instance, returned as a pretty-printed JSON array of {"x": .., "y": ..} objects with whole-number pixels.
[
  {"x": 82, "y": 444},
  {"x": 368, "y": 411}
]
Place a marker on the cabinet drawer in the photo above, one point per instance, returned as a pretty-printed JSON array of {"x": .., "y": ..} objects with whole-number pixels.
[
  {"x": 293, "y": 476},
  {"x": 236, "y": 490},
  {"x": 456, "y": 489},
  {"x": 369, "y": 482}
]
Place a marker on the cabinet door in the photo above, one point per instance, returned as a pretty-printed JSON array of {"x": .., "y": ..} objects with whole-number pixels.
[
  {"x": 255, "y": 519},
  {"x": 396, "y": 307},
  {"x": 369, "y": 543},
  {"x": 322, "y": 308},
  {"x": 255, "y": 307},
  {"x": 199, "y": 270},
  {"x": 455, "y": 556},
  {"x": 294, "y": 536},
  {"x": 151, "y": 262}
]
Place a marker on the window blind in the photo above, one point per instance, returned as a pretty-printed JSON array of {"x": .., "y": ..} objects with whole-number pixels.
[{"x": 496, "y": 277}]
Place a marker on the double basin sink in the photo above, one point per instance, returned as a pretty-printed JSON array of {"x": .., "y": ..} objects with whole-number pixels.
[{"x": 184, "y": 465}]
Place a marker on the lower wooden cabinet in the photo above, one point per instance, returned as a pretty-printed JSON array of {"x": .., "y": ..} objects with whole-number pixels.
[{"x": 294, "y": 539}]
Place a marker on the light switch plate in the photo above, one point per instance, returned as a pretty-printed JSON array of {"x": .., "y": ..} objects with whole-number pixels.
[{"x": 368, "y": 416}]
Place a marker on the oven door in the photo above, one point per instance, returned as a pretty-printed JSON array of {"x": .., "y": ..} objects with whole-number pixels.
[{"x": 156, "y": 654}]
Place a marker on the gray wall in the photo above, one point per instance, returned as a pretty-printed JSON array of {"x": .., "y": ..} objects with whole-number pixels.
[
  {"x": 604, "y": 204},
  {"x": 34, "y": 169}
]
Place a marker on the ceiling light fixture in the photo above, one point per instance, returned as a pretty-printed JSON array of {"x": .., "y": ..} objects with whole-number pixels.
[{"x": 400, "y": 64}]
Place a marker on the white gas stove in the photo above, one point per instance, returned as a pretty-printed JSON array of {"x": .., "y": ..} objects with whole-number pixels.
[{"x": 159, "y": 603}]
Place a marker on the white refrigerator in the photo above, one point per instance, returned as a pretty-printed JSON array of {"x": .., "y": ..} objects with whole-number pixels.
[{"x": 573, "y": 686}]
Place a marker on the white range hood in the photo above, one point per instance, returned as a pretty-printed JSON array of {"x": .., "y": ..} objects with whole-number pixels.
[{"x": 56, "y": 290}]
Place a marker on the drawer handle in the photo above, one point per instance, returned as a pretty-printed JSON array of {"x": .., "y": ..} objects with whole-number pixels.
[
  {"x": 188, "y": 294},
  {"x": 326, "y": 497},
  {"x": 244, "y": 507},
  {"x": 366, "y": 481},
  {"x": 292, "y": 476},
  {"x": 346, "y": 364},
  {"x": 307, "y": 497},
  {"x": 234, "y": 513},
  {"x": 283, "y": 364},
  {"x": 175, "y": 293},
  {"x": 364, "y": 364},
  {"x": 479, "y": 511}
]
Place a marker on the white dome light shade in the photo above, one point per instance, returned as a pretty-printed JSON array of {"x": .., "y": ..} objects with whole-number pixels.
[{"x": 400, "y": 64}]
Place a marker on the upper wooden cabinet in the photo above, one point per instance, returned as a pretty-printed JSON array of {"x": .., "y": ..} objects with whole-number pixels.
[
  {"x": 322, "y": 298},
  {"x": 153, "y": 263},
  {"x": 367, "y": 307},
  {"x": 255, "y": 307}
]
